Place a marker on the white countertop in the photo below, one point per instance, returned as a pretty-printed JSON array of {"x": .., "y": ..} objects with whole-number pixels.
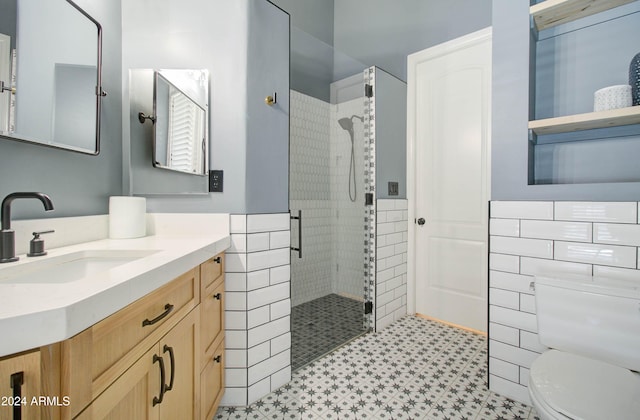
[{"x": 37, "y": 314}]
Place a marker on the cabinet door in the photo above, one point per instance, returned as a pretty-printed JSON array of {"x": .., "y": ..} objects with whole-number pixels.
[
  {"x": 180, "y": 350},
  {"x": 131, "y": 396},
  {"x": 211, "y": 319},
  {"x": 20, "y": 382},
  {"x": 212, "y": 383}
]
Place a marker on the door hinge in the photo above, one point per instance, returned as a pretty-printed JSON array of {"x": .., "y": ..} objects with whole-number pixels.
[
  {"x": 368, "y": 90},
  {"x": 368, "y": 308},
  {"x": 368, "y": 199}
]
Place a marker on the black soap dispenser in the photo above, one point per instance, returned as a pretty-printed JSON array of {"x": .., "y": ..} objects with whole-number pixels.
[{"x": 36, "y": 245}]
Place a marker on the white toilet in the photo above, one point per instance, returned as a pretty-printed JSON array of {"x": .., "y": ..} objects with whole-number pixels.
[{"x": 592, "y": 327}]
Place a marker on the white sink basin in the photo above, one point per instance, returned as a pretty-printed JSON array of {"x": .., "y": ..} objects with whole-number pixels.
[{"x": 69, "y": 267}]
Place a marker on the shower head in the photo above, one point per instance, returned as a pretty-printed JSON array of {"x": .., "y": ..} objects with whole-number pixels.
[{"x": 346, "y": 124}]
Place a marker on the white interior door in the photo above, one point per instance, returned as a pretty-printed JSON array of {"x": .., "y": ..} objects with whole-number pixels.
[{"x": 449, "y": 89}]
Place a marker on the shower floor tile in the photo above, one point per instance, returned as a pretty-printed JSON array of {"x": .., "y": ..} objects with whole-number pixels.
[
  {"x": 322, "y": 325},
  {"x": 413, "y": 369}
]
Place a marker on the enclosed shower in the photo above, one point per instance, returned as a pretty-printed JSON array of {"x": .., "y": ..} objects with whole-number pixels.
[{"x": 327, "y": 200}]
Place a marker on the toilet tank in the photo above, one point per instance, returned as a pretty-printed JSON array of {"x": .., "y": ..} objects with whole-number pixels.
[{"x": 597, "y": 317}]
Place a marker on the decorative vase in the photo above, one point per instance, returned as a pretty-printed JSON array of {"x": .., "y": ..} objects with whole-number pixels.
[{"x": 634, "y": 78}]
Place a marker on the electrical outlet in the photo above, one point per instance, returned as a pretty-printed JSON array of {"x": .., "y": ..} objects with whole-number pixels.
[
  {"x": 393, "y": 188},
  {"x": 215, "y": 180}
]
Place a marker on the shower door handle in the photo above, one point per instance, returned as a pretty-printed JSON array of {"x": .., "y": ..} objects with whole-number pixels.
[{"x": 299, "y": 219}]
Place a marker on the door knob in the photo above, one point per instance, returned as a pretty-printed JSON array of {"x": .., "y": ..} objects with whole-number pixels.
[{"x": 421, "y": 221}]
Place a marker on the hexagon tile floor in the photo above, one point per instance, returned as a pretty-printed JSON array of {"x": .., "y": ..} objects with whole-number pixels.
[{"x": 413, "y": 369}]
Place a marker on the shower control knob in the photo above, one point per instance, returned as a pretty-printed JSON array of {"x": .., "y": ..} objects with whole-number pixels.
[{"x": 421, "y": 221}]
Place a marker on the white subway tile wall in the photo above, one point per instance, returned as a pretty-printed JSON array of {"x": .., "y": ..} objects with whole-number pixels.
[
  {"x": 391, "y": 261},
  {"x": 531, "y": 237},
  {"x": 257, "y": 307}
]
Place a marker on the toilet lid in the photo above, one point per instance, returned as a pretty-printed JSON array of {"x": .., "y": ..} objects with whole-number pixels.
[{"x": 583, "y": 388}]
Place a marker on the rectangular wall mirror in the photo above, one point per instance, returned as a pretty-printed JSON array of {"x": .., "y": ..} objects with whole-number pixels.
[
  {"x": 180, "y": 117},
  {"x": 50, "y": 74}
]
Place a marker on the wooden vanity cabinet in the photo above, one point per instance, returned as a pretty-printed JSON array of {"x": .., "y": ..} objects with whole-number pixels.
[
  {"x": 115, "y": 368},
  {"x": 160, "y": 357}
]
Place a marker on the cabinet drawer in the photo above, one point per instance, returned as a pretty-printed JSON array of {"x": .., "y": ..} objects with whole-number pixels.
[
  {"x": 210, "y": 272},
  {"x": 151, "y": 316},
  {"x": 212, "y": 319},
  {"x": 212, "y": 383}
]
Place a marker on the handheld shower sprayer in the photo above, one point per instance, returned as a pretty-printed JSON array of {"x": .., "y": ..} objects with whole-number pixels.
[{"x": 347, "y": 124}]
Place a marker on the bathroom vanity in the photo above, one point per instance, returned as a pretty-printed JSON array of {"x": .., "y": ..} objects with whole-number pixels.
[{"x": 142, "y": 339}]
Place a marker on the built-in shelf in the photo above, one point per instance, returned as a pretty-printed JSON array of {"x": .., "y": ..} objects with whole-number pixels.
[
  {"x": 550, "y": 13},
  {"x": 588, "y": 121}
]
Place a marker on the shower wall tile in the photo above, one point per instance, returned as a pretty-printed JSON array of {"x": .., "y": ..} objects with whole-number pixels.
[
  {"x": 588, "y": 238},
  {"x": 257, "y": 286},
  {"x": 391, "y": 261},
  {"x": 347, "y": 199},
  {"x": 320, "y": 160},
  {"x": 309, "y": 148},
  {"x": 311, "y": 275},
  {"x": 310, "y": 191}
]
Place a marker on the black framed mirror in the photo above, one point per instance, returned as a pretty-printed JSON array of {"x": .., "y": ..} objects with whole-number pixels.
[
  {"x": 180, "y": 116},
  {"x": 50, "y": 75}
]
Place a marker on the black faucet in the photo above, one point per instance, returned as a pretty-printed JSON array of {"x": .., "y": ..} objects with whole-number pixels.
[{"x": 7, "y": 236}]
